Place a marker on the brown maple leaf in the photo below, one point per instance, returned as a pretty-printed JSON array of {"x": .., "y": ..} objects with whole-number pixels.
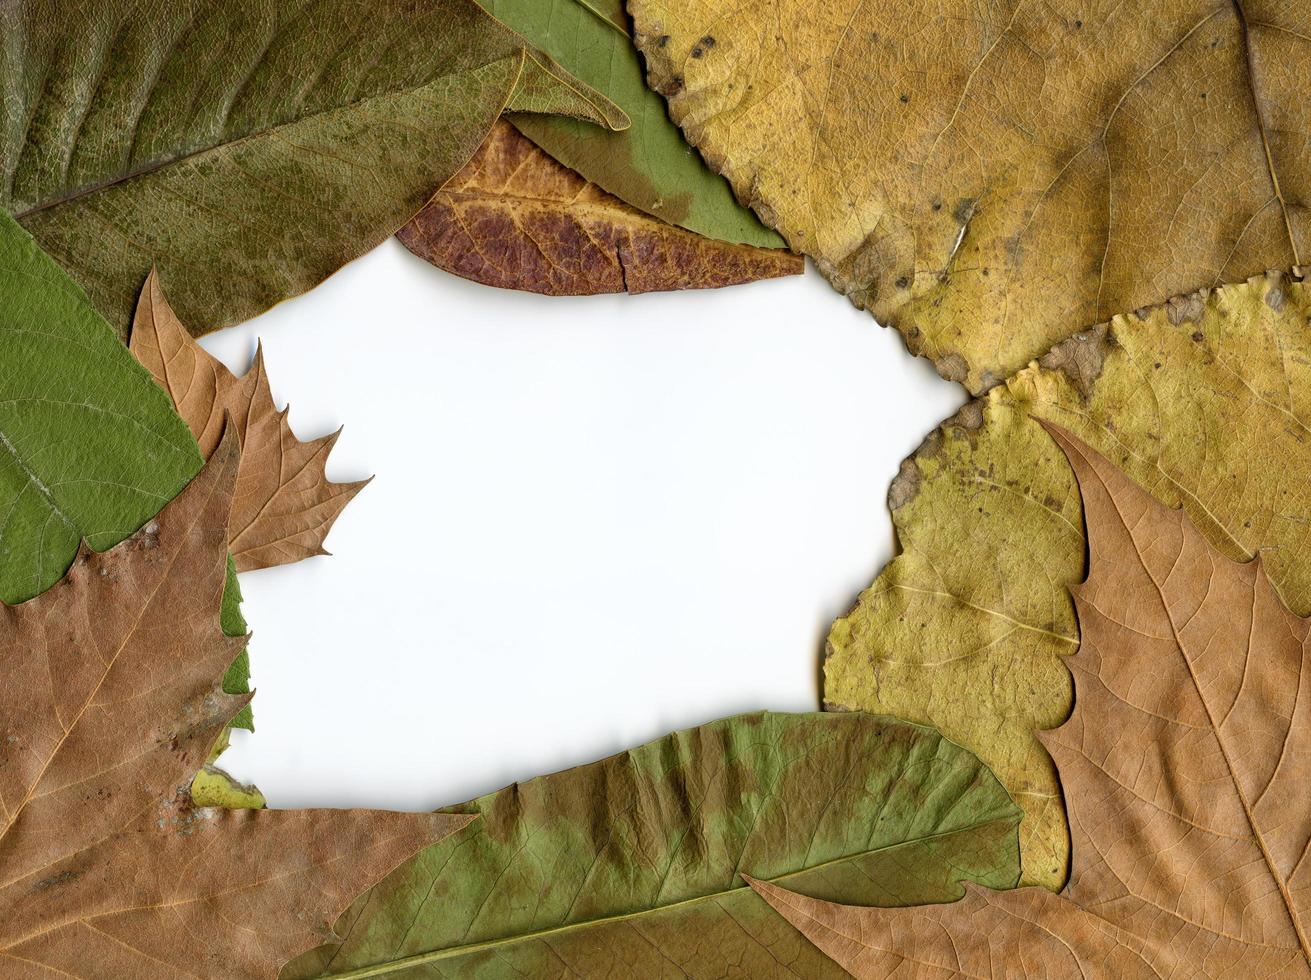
[
  {"x": 516, "y": 218},
  {"x": 285, "y": 505},
  {"x": 1185, "y": 767},
  {"x": 112, "y": 700}
]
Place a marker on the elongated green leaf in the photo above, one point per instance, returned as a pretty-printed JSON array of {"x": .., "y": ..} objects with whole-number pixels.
[
  {"x": 649, "y": 165},
  {"x": 247, "y": 148},
  {"x": 90, "y": 446},
  {"x": 630, "y": 867}
]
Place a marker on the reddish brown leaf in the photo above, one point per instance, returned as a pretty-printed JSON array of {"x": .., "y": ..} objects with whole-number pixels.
[
  {"x": 514, "y": 217},
  {"x": 285, "y": 505},
  {"x": 1185, "y": 768},
  {"x": 111, "y": 701}
]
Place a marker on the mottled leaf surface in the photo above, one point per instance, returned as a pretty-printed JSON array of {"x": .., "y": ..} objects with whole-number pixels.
[
  {"x": 1184, "y": 766},
  {"x": 1206, "y": 401},
  {"x": 90, "y": 448},
  {"x": 245, "y": 148},
  {"x": 988, "y": 178},
  {"x": 631, "y": 866},
  {"x": 516, "y": 218},
  {"x": 111, "y": 702},
  {"x": 284, "y": 505},
  {"x": 648, "y": 165}
]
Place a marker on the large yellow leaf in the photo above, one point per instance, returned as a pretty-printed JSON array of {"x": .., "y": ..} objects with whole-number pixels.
[
  {"x": 1185, "y": 769},
  {"x": 1205, "y": 401},
  {"x": 989, "y": 177}
]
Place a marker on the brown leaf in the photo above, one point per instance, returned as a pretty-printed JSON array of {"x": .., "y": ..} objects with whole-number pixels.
[
  {"x": 515, "y": 218},
  {"x": 285, "y": 505},
  {"x": 1185, "y": 768},
  {"x": 112, "y": 699}
]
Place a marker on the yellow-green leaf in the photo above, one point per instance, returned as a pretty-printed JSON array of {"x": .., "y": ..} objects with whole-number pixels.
[
  {"x": 1205, "y": 401},
  {"x": 990, "y": 177}
]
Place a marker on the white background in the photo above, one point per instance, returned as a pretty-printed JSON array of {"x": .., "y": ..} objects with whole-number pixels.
[{"x": 594, "y": 520}]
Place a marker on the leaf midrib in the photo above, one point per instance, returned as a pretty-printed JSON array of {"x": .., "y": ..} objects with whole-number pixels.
[
  {"x": 1245, "y": 27},
  {"x": 223, "y": 144},
  {"x": 391, "y": 966},
  {"x": 1257, "y": 836},
  {"x": 35, "y": 481}
]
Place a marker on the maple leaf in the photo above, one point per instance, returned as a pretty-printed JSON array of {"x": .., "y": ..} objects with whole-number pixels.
[
  {"x": 968, "y": 633},
  {"x": 1184, "y": 768},
  {"x": 284, "y": 505},
  {"x": 112, "y": 700},
  {"x": 515, "y": 218}
]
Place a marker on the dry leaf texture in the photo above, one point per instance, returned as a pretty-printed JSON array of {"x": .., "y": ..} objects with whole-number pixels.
[
  {"x": 284, "y": 505},
  {"x": 110, "y": 704},
  {"x": 246, "y": 148},
  {"x": 628, "y": 867},
  {"x": 1185, "y": 769},
  {"x": 989, "y": 178},
  {"x": 516, "y": 218},
  {"x": 1206, "y": 401}
]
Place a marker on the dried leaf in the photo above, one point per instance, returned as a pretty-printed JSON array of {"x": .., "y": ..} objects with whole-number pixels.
[
  {"x": 514, "y": 217},
  {"x": 246, "y": 148},
  {"x": 1184, "y": 766},
  {"x": 1206, "y": 401},
  {"x": 649, "y": 165},
  {"x": 89, "y": 447},
  {"x": 106, "y": 868},
  {"x": 285, "y": 504},
  {"x": 988, "y": 178},
  {"x": 628, "y": 867}
]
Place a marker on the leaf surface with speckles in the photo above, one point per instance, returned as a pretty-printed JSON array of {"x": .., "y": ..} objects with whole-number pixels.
[
  {"x": 990, "y": 177},
  {"x": 247, "y": 149}
]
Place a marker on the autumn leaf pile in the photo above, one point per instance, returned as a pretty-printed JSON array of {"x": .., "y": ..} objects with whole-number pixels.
[{"x": 1065, "y": 732}]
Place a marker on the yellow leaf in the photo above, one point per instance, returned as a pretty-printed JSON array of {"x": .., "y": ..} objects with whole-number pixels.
[
  {"x": 988, "y": 178},
  {"x": 1205, "y": 401},
  {"x": 1184, "y": 767}
]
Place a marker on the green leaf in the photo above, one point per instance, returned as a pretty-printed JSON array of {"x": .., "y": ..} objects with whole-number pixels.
[
  {"x": 247, "y": 148},
  {"x": 90, "y": 446},
  {"x": 630, "y": 867},
  {"x": 649, "y": 165}
]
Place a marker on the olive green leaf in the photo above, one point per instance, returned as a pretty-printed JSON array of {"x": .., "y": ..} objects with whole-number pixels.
[
  {"x": 649, "y": 165},
  {"x": 90, "y": 446},
  {"x": 631, "y": 866},
  {"x": 247, "y": 148},
  {"x": 989, "y": 177},
  {"x": 1204, "y": 401}
]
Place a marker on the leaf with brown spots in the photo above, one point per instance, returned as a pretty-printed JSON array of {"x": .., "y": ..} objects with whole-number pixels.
[
  {"x": 990, "y": 177},
  {"x": 285, "y": 504},
  {"x": 1184, "y": 766},
  {"x": 514, "y": 217},
  {"x": 111, "y": 701}
]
